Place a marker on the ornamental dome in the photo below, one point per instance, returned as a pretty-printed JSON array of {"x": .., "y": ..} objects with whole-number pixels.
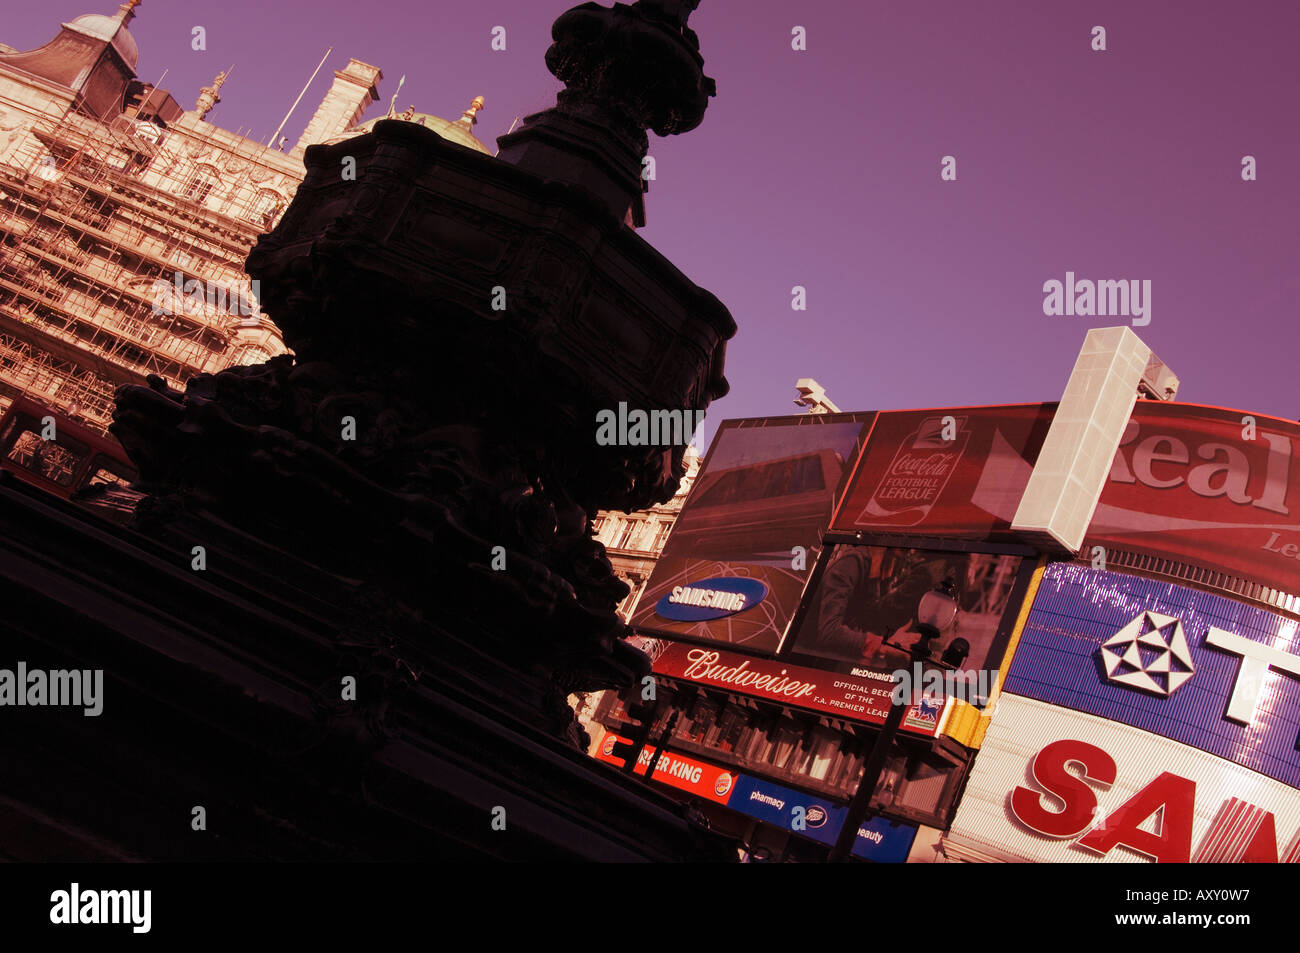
[{"x": 109, "y": 29}]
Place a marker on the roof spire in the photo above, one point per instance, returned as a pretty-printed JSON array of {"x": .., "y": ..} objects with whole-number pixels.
[
  {"x": 209, "y": 96},
  {"x": 469, "y": 117},
  {"x": 126, "y": 12}
]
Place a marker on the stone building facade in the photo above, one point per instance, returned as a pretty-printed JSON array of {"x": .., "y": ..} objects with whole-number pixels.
[
  {"x": 634, "y": 541},
  {"x": 125, "y": 219}
]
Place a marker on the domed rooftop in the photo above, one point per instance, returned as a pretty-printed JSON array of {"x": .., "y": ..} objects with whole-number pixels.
[
  {"x": 109, "y": 29},
  {"x": 459, "y": 131},
  {"x": 75, "y": 59}
]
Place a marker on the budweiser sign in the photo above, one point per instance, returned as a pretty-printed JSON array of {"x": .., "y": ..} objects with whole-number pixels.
[
  {"x": 705, "y": 666},
  {"x": 857, "y": 698}
]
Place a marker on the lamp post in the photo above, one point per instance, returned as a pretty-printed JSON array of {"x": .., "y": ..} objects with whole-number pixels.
[{"x": 935, "y": 614}]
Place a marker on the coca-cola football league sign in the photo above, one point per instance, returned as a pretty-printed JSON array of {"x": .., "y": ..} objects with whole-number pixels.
[{"x": 958, "y": 472}]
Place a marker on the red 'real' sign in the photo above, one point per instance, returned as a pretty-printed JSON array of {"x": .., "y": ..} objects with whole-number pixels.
[
  {"x": 846, "y": 696},
  {"x": 1206, "y": 486},
  {"x": 957, "y": 472},
  {"x": 677, "y": 770}
]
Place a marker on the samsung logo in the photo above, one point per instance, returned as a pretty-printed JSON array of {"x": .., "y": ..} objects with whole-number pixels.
[{"x": 711, "y": 599}]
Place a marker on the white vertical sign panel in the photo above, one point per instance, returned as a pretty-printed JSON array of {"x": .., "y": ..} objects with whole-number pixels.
[{"x": 1067, "y": 480}]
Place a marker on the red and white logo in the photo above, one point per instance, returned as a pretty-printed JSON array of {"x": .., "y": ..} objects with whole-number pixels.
[
  {"x": 1155, "y": 821},
  {"x": 918, "y": 474}
]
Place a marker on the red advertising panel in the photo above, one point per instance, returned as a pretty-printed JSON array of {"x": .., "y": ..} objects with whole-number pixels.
[
  {"x": 676, "y": 770},
  {"x": 958, "y": 472},
  {"x": 857, "y": 698},
  {"x": 1203, "y": 485},
  {"x": 1207, "y": 486},
  {"x": 742, "y": 550}
]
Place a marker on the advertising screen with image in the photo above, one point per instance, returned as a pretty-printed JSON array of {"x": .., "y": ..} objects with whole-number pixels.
[
  {"x": 742, "y": 550},
  {"x": 868, "y": 603}
]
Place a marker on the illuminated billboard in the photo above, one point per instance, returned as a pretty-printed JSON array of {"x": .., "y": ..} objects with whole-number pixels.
[
  {"x": 742, "y": 549},
  {"x": 863, "y": 610},
  {"x": 958, "y": 472},
  {"x": 674, "y": 769},
  {"x": 859, "y": 698},
  {"x": 1052, "y": 784},
  {"x": 1200, "y": 669},
  {"x": 1206, "y": 486},
  {"x": 880, "y": 839}
]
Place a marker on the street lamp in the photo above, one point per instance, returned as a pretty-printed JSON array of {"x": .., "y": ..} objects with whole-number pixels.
[{"x": 936, "y": 614}]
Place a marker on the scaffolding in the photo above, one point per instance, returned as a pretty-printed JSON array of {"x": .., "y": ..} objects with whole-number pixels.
[{"x": 121, "y": 258}]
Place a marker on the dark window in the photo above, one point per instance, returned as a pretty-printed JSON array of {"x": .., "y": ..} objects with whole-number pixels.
[
  {"x": 57, "y": 462},
  {"x": 105, "y": 470},
  {"x": 918, "y": 784}
]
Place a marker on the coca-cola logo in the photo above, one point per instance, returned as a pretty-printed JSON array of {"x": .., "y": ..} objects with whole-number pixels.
[{"x": 934, "y": 463}]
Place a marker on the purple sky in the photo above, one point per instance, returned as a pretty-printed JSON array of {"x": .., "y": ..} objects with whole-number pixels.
[{"x": 821, "y": 169}]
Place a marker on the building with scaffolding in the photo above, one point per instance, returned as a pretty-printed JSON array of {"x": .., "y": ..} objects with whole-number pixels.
[
  {"x": 634, "y": 541},
  {"x": 125, "y": 220}
]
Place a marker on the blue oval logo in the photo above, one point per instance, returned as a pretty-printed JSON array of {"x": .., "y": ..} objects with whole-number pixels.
[
  {"x": 815, "y": 816},
  {"x": 711, "y": 599}
]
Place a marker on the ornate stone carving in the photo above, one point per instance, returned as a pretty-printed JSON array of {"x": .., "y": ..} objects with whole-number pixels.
[
  {"x": 626, "y": 69},
  {"x": 209, "y": 96}
]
